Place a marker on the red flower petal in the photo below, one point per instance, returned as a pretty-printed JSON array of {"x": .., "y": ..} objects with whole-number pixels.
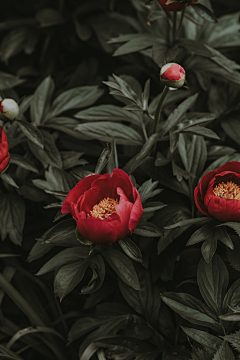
[
  {"x": 230, "y": 166},
  {"x": 199, "y": 201},
  {"x": 4, "y": 148},
  {"x": 224, "y": 209},
  {"x": 137, "y": 211},
  {"x": 77, "y": 191},
  {"x": 98, "y": 231},
  {"x": 88, "y": 200},
  {"x": 4, "y": 164},
  {"x": 124, "y": 209}
]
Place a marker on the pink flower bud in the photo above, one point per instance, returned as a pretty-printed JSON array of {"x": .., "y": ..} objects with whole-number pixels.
[
  {"x": 173, "y": 75},
  {"x": 9, "y": 108}
]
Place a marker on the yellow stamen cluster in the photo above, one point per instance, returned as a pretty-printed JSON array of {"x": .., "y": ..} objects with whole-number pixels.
[
  {"x": 228, "y": 190},
  {"x": 105, "y": 208}
]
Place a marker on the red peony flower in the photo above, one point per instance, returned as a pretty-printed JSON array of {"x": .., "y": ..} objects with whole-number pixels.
[
  {"x": 4, "y": 155},
  {"x": 105, "y": 208},
  {"x": 173, "y": 75},
  {"x": 218, "y": 193},
  {"x": 177, "y": 6}
]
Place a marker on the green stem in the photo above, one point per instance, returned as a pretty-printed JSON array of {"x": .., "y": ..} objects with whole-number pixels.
[
  {"x": 180, "y": 23},
  {"x": 144, "y": 128},
  {"x": 174, "y": 29},
  {"x": 159, "y": 108},
  {"x": 115, "y": 154}
]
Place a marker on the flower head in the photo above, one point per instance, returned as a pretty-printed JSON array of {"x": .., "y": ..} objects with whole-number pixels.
[
  {"x": 106, "y": 209},
  {"x": 175, "y": 6},
  {"x": 4, "y": 155},
  {"x": 9, "y": 108},
  {"x": 218, "y": 193},
  {"x": 173, "y": 75}
]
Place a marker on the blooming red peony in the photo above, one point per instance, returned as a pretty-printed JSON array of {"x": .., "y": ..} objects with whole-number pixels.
[
  {"x": 218, "y": 193},
  {"x": 105, "y": 208},
  {"x": 173, "y": 75},
  {"x": 176, "y": 6},
  {"x": 4, "y": 155}
]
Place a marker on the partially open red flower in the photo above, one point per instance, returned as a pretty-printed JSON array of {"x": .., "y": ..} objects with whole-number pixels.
[
  {"x": 105, "y": 208},
  {"x": 173, "y": 75},
  {"x": 218, "y": 193},
  {"x": 4, "y": 155},
  {"x": 176, "y": 6}
]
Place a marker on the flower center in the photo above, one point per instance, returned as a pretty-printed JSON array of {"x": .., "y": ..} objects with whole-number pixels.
[
  {"x": 105, "y": 208},
  {"x": 228, "y": 190}
]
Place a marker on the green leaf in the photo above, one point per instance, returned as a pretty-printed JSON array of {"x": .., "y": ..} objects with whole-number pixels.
[
  {"x": 147, "y": 147},
  {"x": 23, "y": 162},
  {"x": 50, "y": 155},
  {"x": 71, "y": 255},
  {"x": 68, "y": 277},
  {"x": 203, "y": 338},
  {"x": 232, "y": 297},
  {"x": 208, "y": 249},
  {"x": 12, "y": 217},
  {"x": 201, "y": 131},
  {"x": 8, "y": 179},
  {"x": 30, "y": 330},
  {"x": 231, "y": 126},
  {"x": 234, "y": 316},
  {"x": 148, "y": 190},
  {"x": 153, "y": 206},
  {"x": 98, "y": 269},
  {"x": 234, "y": 340},
  {"x": 195, "y": 46},
  {"x": 131, "y": 249},
  {"x": 213, "y": 282},
  {"x": 49, "y": 17},
  {"x": 176, "y": 115},
  {"x": 122, "y": 88},
  {"x": 224, "y": 353},
  {"x": 41, "y": 100},
  {"x": 191, "y": 309},
  {"x": 106, "y": 131},
  {"x": 8, "y": 80},
  {"x": 75, "y": 98},
  {"x": 103, "y": 160},
  {"x": 188, "y": 222},
  {"x": 205, "y": 13},
  {"x": 148, "y": 229},
  {"x": 146, "y": 301},
  {"x": 108, "y": 112},
  {"x": 143, "y": 41},
  {"x": 31, "y": 132},
  {"x": 123, "y": 267},
  {"x": 233, "y": 256}
]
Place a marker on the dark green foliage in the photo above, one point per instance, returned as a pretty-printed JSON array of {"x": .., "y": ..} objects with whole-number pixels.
[{"x": 86, "y": 77}]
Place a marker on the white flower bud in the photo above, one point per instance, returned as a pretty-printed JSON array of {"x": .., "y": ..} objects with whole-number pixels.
[{"x": 9, "y": 108}]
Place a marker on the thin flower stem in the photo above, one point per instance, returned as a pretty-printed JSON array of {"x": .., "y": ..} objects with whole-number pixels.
[
  {"x": 115, "y": 154},
  {"x": 174, "y": 29},
  {"x": 144, "y": 128},
  {"x": 159, "y": 108},
  {"x": 180, "y": 23}
]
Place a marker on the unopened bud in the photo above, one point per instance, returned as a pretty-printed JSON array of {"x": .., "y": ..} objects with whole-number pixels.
[
  {"x": 9, "y": 108},
  {"x": 173, "y": 75},
  {"x": 174, "y": 6}
]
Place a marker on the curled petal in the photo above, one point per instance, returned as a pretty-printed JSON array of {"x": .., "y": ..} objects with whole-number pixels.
[
  {"x": 4, "y": 148},
  {"x": 77, "y": 191},
  {"x": 124, "y": 209},
  {"x": 4, "y": 164},
  {"x": 137, "y": 211},
  {"x": 88, "y": 200},
  {"x": 224, "y": 209},
  {"x": 98, "y": 231},
  {"x": 230, "y": 166}
]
